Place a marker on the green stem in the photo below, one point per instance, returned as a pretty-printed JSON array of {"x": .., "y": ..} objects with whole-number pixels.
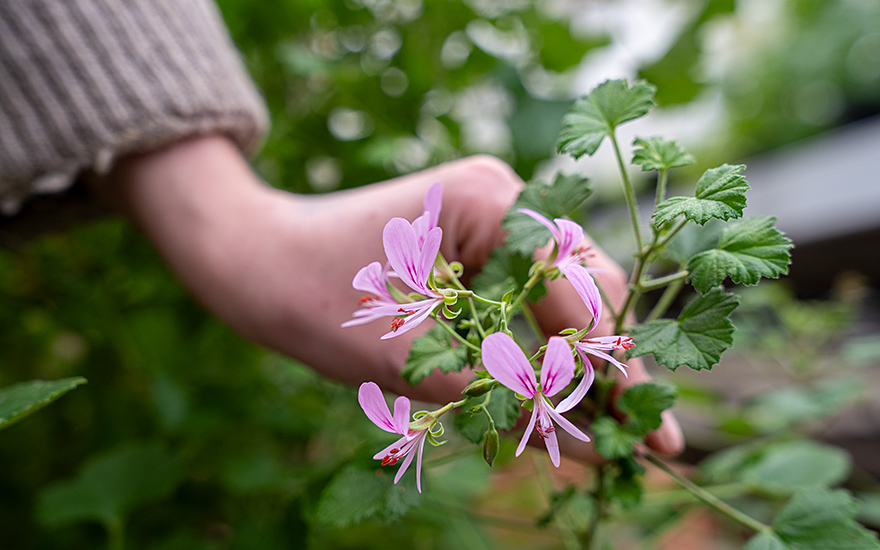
[
  {"x": 681, "y": 496},
  {"x": 455, "y": 335},
  {"x": 661, "y": 187},
  {"x": 628, "y": 193},
  {"x": 708, "y": 498},
  {"x": 669, "y": 235},
  {"x": 532, "y": 322},
  {"x": 660, "y": 282},
  {"x": 665, "y": 300},
  {"x": 589, "y": 536}
]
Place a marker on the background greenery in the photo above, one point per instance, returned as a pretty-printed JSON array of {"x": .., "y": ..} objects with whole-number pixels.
[{"x": 188, "y": 437}]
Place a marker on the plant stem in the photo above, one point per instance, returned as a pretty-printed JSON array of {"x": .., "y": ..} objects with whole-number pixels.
[
  {"x": 589, "y": 537},
  {"x": 454, "y": 334},
  {"x": 666, "y": 299},
  {"x": 708, "y": 498},
  {"x": 661, "y": 187},
  {"x": 115, "y": 533},
  {"x": 628, "y": 193},
  {"x": 660, "y": 282}
]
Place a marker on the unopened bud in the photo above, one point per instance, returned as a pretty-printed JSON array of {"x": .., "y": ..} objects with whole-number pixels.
[
  {"x": 490, "y": 445},
  {"x": 480, "y": 387}
]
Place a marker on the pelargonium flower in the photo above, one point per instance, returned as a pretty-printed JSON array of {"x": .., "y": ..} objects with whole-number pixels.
[
  {"x": 411, "y": 249},
  {"x": 412, "y": 444},
  {"x": 569, "y": 259},
  {"x": 570, "y": 256},
  {"x": 507, "y": 363}
]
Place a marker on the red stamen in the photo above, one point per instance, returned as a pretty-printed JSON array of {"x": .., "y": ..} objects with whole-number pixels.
[{"x": 396, "y": 324}]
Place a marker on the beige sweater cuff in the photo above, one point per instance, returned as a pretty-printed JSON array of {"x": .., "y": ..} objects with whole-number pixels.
[{"x": 85, "y": 81}]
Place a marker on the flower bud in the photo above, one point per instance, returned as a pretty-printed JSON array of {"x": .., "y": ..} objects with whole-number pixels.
[
  {"x": 490, "y": 445},
  {"x": 480, "y": 387}
]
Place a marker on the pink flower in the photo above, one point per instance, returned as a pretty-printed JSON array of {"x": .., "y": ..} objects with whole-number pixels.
[
  {"x": 507, "y": 363},
  {"x": 570, "y": 256},
  {"x": 373, "y": 403},
  {"x": 411, "y": 249}
]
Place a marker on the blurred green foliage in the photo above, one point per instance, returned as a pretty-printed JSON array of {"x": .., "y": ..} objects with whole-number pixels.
[{"x": 225, "y": 446}]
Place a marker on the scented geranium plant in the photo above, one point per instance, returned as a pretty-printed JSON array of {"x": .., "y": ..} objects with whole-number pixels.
[{"x": 565, "y": 382}]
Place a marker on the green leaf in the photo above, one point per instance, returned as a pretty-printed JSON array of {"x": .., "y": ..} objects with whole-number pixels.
[
  {"x": 595, "y": 116},
  {"x": 720, "y": 194},
  {"x": 821, "y": 519},
  {"x": 358, "y": 493},
  {"x": 20, "y": 400},
  {"x": 110, "y": 486},
  {"x": 557, "y": 200},
  {"x": 767, "y": 540},
  {"x": 748, "y": 250},
  {"x": 431, "y": 351},
  {"x": 643, "y": 404},
  {"x": 697, "y": 338},
  {"x": 506, "y": 270},
  {"x": 790, "y": 467},
  {"x": 656, "y": 153},
  {"x": 613, "y": 440}
]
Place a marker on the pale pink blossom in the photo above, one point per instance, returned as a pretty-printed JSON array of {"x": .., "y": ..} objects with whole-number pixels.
[
  {"x": 507, "y": 363},
  {"x": 410, "y": 446}
]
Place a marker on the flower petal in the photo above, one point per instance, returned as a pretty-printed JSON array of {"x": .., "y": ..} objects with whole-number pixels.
[
  {"x": 566, "y": 425},
  {"x": 401, "y": 415},
  {"x": 570, "y": 236},
  {"x": 552, "y": 448},
  {"x": 586, "y": 288},
  {"x": 542, "y": 220},
  {"x": 404, "y": 253},
  {"x": 421, "y": 311},
  {"x": 586, "y": 348},
  {"x": 408, "y": 458},
  {"x": 507, "y": 363},
  {"x": 528, "y": 432},
  {"x": 419, "y": 452},
  {"x": 371, "y": 278},
  {"x": 433, "y": 202},
  {"x": 558, "y": 367},
  {"x": 387, "y": 450},
  {"x": 580, "y": 390},
  {"x": 373, "y": 403}
]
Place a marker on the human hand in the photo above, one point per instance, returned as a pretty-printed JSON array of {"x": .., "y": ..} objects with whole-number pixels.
[{"x": 277, "y": 267}]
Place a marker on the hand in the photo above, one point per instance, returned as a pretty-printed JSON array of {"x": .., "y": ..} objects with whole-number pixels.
[{"x": 277, "y": 267}]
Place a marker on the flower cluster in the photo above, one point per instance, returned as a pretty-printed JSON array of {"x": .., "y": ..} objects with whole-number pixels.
[{"x": 412, "y": 251}]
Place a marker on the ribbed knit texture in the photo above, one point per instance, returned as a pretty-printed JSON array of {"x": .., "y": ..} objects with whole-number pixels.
[{"x": 85, "y": 81}]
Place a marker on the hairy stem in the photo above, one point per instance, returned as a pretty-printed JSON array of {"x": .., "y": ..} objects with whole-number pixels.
[
  {"x": 708, "y": 498},
  {"x": 628, "y": 193}
]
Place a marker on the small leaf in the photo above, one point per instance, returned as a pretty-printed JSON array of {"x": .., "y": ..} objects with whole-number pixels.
[
  {"x": 643, "y": 403},
  {"x": 557, "y": 200},
  {"x": 433, "y": 350},
  {"x": 720, "y": 194},
  {"x": 20, "y": 400},
  {"x": 613, "y": 440},
  {"x": 748, "y": 250},
  {"x": 595, "y": 116},
  {"x": 111, "y": 486},
  {"x": 354, "y": 494},
  {"x": 697, "y": 338},
  {"x": 793, "y": 466},
  {"x": 656, "y": 153},
  {"x": 821, "y": 519},
  {"x": 504, "y": 271}
]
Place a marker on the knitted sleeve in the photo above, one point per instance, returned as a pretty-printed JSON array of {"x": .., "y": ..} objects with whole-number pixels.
[{"x": 85, "y": 81}]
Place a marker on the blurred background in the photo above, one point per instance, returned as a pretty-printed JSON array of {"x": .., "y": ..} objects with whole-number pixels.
[{"x": 188, "y": 437}]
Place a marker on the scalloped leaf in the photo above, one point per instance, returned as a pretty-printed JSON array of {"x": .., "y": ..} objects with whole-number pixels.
[
  {"x": 595, "y": 116},
  {"x": 697, "y": 338},
  {"x": 748, "y": 250},
  {"x": 20, "y": 400},
  {"x": 656, "y": 153},
  {"x": 720, "y": 194}
]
